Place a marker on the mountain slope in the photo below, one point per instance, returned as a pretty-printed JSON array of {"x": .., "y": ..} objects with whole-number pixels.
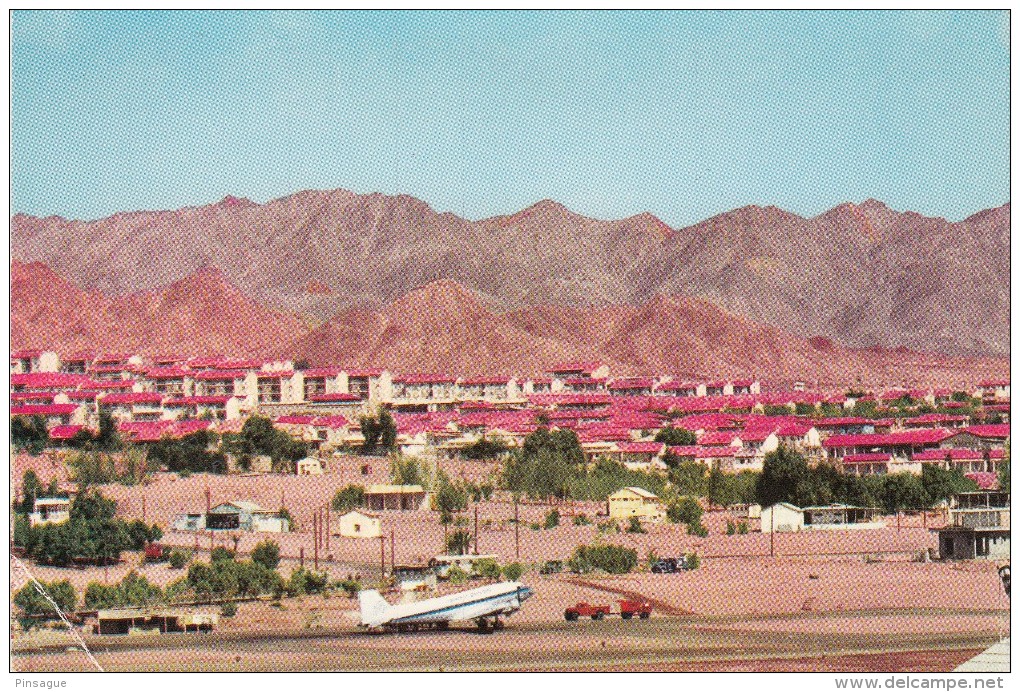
[{"x": 860, "y": 274}]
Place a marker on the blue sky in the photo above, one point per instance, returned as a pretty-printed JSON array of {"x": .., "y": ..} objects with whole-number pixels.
[{"x": 682, "y": 114}]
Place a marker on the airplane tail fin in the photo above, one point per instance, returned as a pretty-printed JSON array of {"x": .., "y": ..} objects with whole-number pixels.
[{"x": 373, "y": 608}]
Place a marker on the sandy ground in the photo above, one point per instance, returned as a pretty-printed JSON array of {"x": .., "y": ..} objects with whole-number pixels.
[{"x": 835, "y": 600}]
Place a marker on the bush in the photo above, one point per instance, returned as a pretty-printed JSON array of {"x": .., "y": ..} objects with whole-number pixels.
[
  {"x": 698, "y": 530},
  {"x": 609, "y": 527},
  {"x": 582, "y": 520},
  {"x": 552, "y": 519},
  {"x": 221, "y": 554},
  {"x": 686, "y": 511},
  {"x": 693, "y": 561},
  {"x": 228, "y": 610},
  {"x": 305, "y": 581},
  {"x": 634, "y": 526},
  {"x": 742, "y": 528},
  {"x": 348, "y": 497},
  {"x": 614, "y": 559},
  {"x": 486, "y": 569},
  {"x": 513, "y": 571},
  {"x": 731, "y": 527},
  {"x": 456, "y": 575},
  {"x": 266, "y": 553},
  {"x": 458, "y": 542},
  {"x": 351, "y": 587},
  {"x": 178, "y": 558}
]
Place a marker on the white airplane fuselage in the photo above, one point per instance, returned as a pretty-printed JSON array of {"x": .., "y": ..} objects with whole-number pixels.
[{"x": 485, "y": 602}]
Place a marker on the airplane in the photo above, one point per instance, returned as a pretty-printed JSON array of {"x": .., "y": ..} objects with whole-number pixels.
[{"x": 484, "y": 605}]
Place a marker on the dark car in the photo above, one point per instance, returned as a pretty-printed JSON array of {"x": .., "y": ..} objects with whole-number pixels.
[{"x": 668, "y": 565}]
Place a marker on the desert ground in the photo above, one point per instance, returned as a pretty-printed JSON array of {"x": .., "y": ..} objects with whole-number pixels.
[{"x": 826, "y": 600}]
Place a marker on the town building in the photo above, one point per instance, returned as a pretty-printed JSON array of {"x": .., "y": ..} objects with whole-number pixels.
[
  {"x": 383, "y": 497},
  {"x": 359, "y": 524},
  {"x": 636, "y": 502}
]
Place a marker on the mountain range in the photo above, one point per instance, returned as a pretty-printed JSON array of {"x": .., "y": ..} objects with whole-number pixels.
[
  {"x": 445, "y": 327},
  {"x": 858, "y": 274}
]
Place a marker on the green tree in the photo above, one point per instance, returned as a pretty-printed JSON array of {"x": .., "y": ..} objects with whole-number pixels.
[
  {"x": 484, "y": 448},
  {"x": 552, "y": 519},
  {"x": 686, "y": 511},
  {"x": 513, "y": 572},
  {"x": 458, "y": 542},
  {"x": 1003, "y": 475},
  {"x": 614, "y": 559},
  {"x": 31, "y": 602},
  {"x": 449, "y": 497},
  {"x": 676, "y": 437},
  {"x": 178, "y": 558},
  {"x": 31, "y": 488},
  {"x": 784, "y": 477},
  {"x": 634, "y": 526},
  {"x": 349, "y": 497},
  {"x": 689, "y": 478},
  {"x": 903, "y": 491},
  {"x": 941, "y": 484},
  {"x": 387, "y": 431},
  {"x": 486, "y": 568},
  {"x": 29, "y": 434},
  {"x": 267, "y": 554}
]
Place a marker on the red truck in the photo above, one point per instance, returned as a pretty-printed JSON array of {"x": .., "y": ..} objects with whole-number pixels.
[{"x": 628, "y": 609}]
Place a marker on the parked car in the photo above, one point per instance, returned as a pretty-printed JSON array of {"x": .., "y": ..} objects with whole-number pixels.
[
  {"x": 668, "y": 565},
  {"x": 595, "y": 612},
  {"x": 155, "y": 552}
]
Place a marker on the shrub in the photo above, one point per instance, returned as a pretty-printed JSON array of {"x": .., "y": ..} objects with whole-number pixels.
[
  {"x": 614, "y": 559},
  {"x": 693, "y": 561},
  {"x": 486, "y": 569},
  {"x": 731, "y": 527},
  {"x": 686, "y": 511},
  {"x": 535, "y": 526},
  {"x": 634, "y": 526},
  {"x": 552, "y": 519},
  {"x": 178, "y": 558},
  {"x": 513, "y": 571},
  {"x": 351, "y": 587},
  {"x": 348, "y": 497},
  {"x": 742, "y": 528},
  {"x": 228, "y": 610},
  {"x": 609, "y": 527},
  {"x": 582, "y": 520},
  {"x": 458, "y": 542},
  {"x": 698, "y": 530},
  {"x": 220, "y": 554},
  {"x": 456, "y": 575},
  {"x": 305, "y": 581},
  {"x": 267, "y": 553}
]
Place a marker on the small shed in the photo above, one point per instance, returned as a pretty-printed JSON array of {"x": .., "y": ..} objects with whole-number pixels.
[
  {"x": 380, "y": 497},
  {"x": 358, "y": 524},
  {"x": 839, "y": 516},
  {"x": 415, "y": 578},
  {"x": 245, "y": 516},
  {"x": 782, "y": 517},
  {"x": 50, "y": 510},
  {"x": 309, "y": 466},
  {"x": 134, "y": 621},
  {"x": 635, "y": 502}
]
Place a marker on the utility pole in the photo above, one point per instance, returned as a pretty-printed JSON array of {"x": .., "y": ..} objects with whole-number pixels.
[
  {"x": 517, "y": 530},
  {"x": 476, "y": 529},
  {"x": 326, "y": 510},
  {"x": 301, "y": 555},
  {"x": 143, "y": 508},
  {"x": 382, "y": 556},
  {"x": 315, "y": 532},
  {"x": 772, "y": 532},
  {"x": 393, "y": 549}
]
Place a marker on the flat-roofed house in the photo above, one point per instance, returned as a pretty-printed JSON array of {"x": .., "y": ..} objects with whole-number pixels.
[
  {"x": 383, "y": 497},
  {"x": 979, "y": 526},
  {"x": 50, "y": 510},
  {"x": 423, "y": 392},
  {"x": 370, "y": 384},
  {"x": 679, "y": 388},
  {"x": 642, "y": 455},
  {"x": 277, "y": 387},
  {"x": 632, "y": 386},
  {"x": 359, "y": 524},
  {"x": 993, "y": 390},
  {"x": 220, "y": 408},
  {"x": 245, "y": 516},
  {"x": 782, "y": 517}
]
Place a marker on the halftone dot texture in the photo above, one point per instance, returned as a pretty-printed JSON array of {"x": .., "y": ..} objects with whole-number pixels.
[{"x": 737, "y": 195}]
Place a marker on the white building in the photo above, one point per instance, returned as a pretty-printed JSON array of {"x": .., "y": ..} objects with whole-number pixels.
[{"x": 360, "y": 524}]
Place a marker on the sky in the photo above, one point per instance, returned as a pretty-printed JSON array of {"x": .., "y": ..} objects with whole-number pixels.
[{"x": 683, "y": 114}]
